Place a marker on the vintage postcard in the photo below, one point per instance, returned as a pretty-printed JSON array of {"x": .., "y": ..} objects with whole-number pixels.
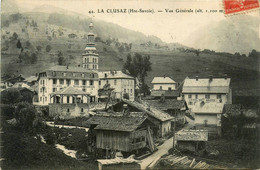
[{"x": 94, "y": 84}]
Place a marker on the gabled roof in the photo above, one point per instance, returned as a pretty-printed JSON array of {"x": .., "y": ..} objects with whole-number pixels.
[
  {"x": 126, "y": 123},
  {"x": 69, "y": 69},
  {"x": 158, "y": 114},
  {"x": 69, "y": 91},
  {"x": 167, "y": 104},
  {"x": 113, "y": 75},
  {"x": 163, "y": 80},
  {"x": 216, "y": 85},
  {"x": 211, "y": 108}
]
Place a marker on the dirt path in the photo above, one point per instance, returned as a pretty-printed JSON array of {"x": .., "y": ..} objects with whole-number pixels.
[{"x": 162, "y": 150}]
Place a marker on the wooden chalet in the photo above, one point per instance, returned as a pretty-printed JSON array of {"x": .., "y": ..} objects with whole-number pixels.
[
  {"x": 120, "y": 131},
  {"x": 161, "y": 119},
  {"x": 174, "y": 107}
]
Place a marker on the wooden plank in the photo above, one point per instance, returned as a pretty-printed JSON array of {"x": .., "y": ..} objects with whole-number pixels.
[
  {"x": 192, "y": 162},
  {"x": 179, "y": 160},
  {"x": 196, "y": 165}
]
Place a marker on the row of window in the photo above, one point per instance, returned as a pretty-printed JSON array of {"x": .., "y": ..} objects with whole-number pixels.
[
  {"x": 207, "y": 96},
  {"x": 73, "y": 74},
  {"x": 94, "y": 66},
  {"x": 68, "y": 82},
  {"x": 95, "y": 60}
]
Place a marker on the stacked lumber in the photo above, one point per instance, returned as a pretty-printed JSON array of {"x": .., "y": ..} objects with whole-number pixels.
[{"x": 183, "y": 162}]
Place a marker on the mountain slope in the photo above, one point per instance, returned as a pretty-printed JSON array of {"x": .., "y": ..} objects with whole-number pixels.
[{"x": 234, "y": 34}]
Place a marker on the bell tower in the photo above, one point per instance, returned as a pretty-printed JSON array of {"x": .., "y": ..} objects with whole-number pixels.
[{"x": 90, "y": 56}]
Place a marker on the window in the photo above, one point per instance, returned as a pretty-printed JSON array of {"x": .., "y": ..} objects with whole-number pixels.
[
  {"x": 41, "y": 90},
  {"x": 54, "y": 89},
  {"x": 68, "y": 82},
  {"x": 93, "y": 60},
  {"x": 160, "y": 87},
  {"x": 131, "y": 91},
  {"x": 53, "y": 73},
  {"x": 91, "y": 82},
  {"x": 64, "y": 74},
  {"x": 218, "y": 96},
  {"x": 82, "y": 109},
  {"x": 68, "y": 110},
  {"x": 189, "y": 96},
  {"x": 43, "y": 82},
  {"x": 105, "y": 75},
  {"x": 207, "y": 96},
  {"x": 99, "y": 83},
  {"x": 84, "y": 65},
  {"x": 107, "y": 81},
  {"x": 82, "y": 75},
  {"x": 40, "y": 81},
  {"x": 190, "y": 103},
  {"x": 85, "y": 60},
  {"x": 169, "y": 88},
  {"x": 76, "y": 82},
  {"x": 40, "y": 98},
  {"x": 54, "y": 81},
  {"x": 87, "y": 65},
  {"x": 125, "y": 90},
  {"x": 68, "y": 99},
  {"x": 196, "y": 96},
  {"x": 46, "y": 99},
  {"x": 84, "y": 90},
  {"x": 74, "y": 74},
  {"x": 61, "y": 81},
  {"x": 92, "y": 75},
  {"x": 83, "y": 82}
]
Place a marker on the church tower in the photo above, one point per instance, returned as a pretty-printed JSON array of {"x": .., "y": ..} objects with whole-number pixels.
[{"x": 90, "y": 57}]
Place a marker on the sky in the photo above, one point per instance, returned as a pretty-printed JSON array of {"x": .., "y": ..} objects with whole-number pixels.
[{"x": 170, "y": 27}]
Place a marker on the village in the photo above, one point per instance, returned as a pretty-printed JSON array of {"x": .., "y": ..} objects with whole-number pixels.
[{"x": 178, "y": 125}]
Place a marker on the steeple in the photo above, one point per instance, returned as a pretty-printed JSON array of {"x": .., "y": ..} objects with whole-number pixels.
[{"x": 90, "y": 57}]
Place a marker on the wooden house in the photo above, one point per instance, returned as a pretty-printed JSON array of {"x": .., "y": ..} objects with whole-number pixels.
[
  {"x": 120, "y": 131},
  {"x": 174, "y": 107},
  {"x": 161, "y": 119},
  {"x": 191, "y": 140}
]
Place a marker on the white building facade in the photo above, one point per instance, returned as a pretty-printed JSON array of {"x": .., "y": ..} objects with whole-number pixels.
[{"x": 216, "y": 90}]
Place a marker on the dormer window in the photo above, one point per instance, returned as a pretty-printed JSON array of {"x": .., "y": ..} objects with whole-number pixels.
[
  {"x": 92, "y": 75},
  {"x": 105, "y": 75},
  {"x": 73, "y": 74},
  {"x": 64, "y": 74},
  {"x": 53, "y": 73},
  {"x": 82, "y": 75}
]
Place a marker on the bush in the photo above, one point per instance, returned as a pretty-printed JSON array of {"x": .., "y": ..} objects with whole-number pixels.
[{"x": 48, "y": 48}]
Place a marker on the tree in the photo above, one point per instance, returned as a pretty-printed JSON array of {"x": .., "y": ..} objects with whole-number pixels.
[
  {"x": 138, "y": 66},
  {"x": 39, "y": 48},
  {"x": 10, "y": 96},
  {"x": 61, "y": 59},
  {"x": 25, "y": 115},
  {"x": 254, "y": 54},
  {"x": 15, "y": 36},
  {"x": 126, "y": 96},
  {"x": 106, "y": 91},
  {"x": 19, "y": 44},
  {"x": 48, "y": 48},
  {"x": 34, "y": 58}
]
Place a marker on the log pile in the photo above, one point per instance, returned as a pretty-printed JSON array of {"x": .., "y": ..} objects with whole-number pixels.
[{"x": 183, "y": 162}]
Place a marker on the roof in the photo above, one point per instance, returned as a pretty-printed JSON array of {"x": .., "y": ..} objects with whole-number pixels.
[
  {"x": 167, "y": 104},
  {"x": 90, "y": 48},
  {"x": 116, "y": 122},
  {"x": 166, "y": 93},
  {"x": 31, "y": 79},
  {"x": 192, "y": 135},
  {"x": 69, "y": 91},
  {"x": 212, "y": 108},
  {"x": 71, "y": 72},
  {"x": 217, "y": 85},
  {"x": 163, "y": 80},
  {"x": 158, "y": 114},
  {"x": 113, "y": 75},
  {"x": 236, "y": 109},
  {"x": 20, "y": 84}
]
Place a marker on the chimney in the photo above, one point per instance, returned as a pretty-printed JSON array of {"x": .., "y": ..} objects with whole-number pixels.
[
  {"x": 210, "y": 78},
  {"x": 225, "y": 76},
  {"x": 197, "y": 78}
]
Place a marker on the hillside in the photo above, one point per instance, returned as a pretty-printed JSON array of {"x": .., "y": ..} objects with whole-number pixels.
[{"x": 234, "y": 34}]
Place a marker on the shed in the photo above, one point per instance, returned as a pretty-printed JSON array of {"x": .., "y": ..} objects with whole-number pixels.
[
  {"x": 120, "y": 131},
  {"x": 191, "y": 140},
  {"x": 161, "y": 119}
]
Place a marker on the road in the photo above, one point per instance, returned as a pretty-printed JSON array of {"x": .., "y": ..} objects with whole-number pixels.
[{"x": 162, "y": 150}]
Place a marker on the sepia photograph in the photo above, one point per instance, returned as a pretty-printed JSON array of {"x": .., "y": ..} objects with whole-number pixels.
[{"x": 130, "y": 85}]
